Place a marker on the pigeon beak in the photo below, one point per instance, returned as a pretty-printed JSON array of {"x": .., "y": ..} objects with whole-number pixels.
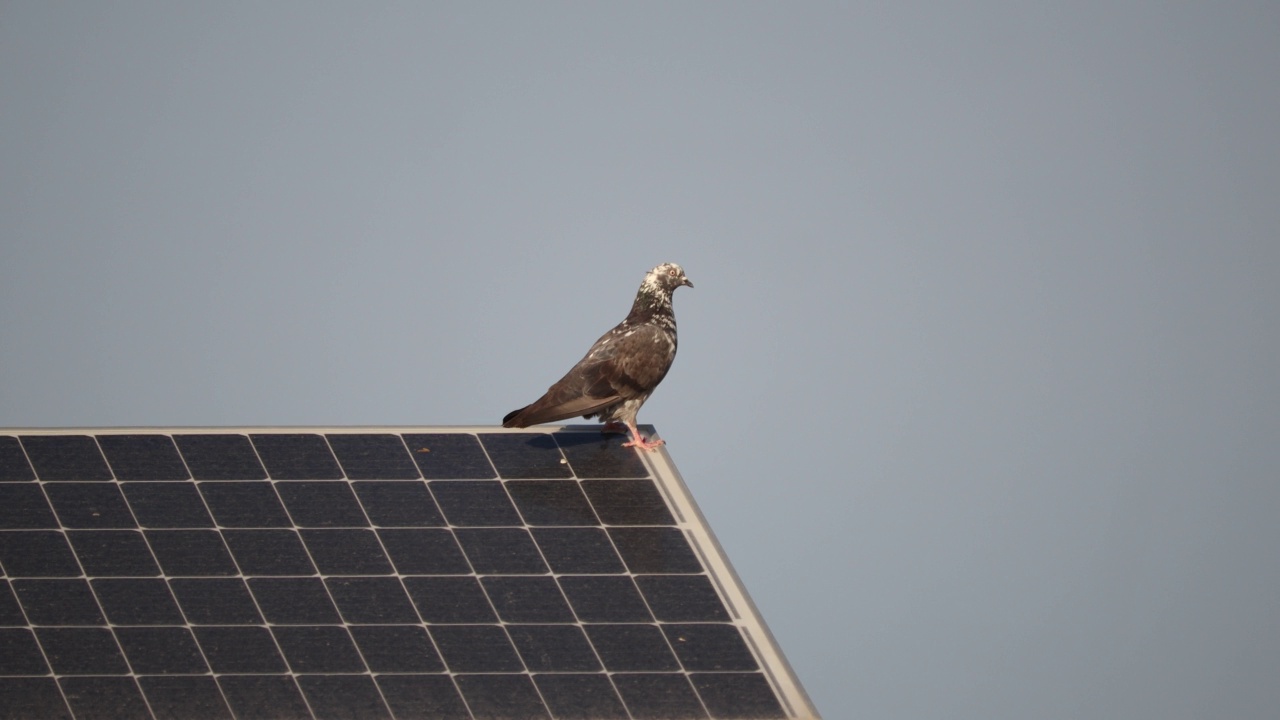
[{"x": 686, "y": 282}]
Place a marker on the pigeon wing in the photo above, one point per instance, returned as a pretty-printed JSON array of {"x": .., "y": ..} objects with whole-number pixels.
[{"x": 625, "y": 363}]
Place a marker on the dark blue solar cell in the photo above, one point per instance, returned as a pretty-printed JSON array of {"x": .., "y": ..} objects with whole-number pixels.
[
  {"x": 682, "y": 598},
  {"x": 399, "y": 504},
  {"x": 191, "y": 552},
  {"x": 424, "y": 552},
  {"x": 137, "y": 601},
  {"x": 373, "y": 457},
  {"x": 552, "y": 502},
  {"x": 269, "y": 552},
  {"x": 371, "y": 600},
  {"x": 659, "y": 695},
  {"x": 291, "y": 456},
  {"x": 448, "y": 456},
  {"x": 475, "y": 503},
  {"x": 343, "y": 696},
  {"x": 527, "y": 599},
  {"x": 264, "y": 696},
  {"x": 59, "y": 602},
  {"x": 185, "y": 698},
  {"x": 19, "y": 654},
  {"x": 245, "y": 504},
  {"x": 113, "y": 553},
  {"x": 657, "y": 550},
  {"x": 628, "y": 502},
  {"x": 23, "y": 507},
  {"x": 604, "y": 598},
  {"x": 37, "y": 553},
  {"x": 502, "y": 696},
  {"x": 161, "y": 650},
  {"x": 501, "y": 551},
  {"x": 737, "y": 695},
  {"x": 104, "y": 697},
  {"x": 33, "y": 697},
  {"x": 167, "y": 504},
  {"x": 82, "y": 651},
  {"x": 220, "y": 457},
  {"x": 215, "y": 601},
  {"x": 632, "y": 648},
  {"x": 423, "y": 696},
  {"x": 600, "y": 455},
  {"x": 294, "y": 601},
  {"x": 240, "y": 649},
  {"x": 143, "y": 457},
  {"x": 13, "y": 462},
  {"x": 710, "y": 646},
  {"x": 65, "y": 457},
  {"x": 581, "y": 696},
  {"x": 397, "y": 648},
  {"x": 554, "y": 648},
  {"x": 579, "y": 551},
  {"x": 321, "y": 504},
  {"x": 476, "y": 648},
  {"x": 318, "y": 649},
  {"x": 90, "y": 505},
  {"x": 450, "y": 599},
  {"x": 525, "y": 456},
  {"x": 346, "y": 552}
]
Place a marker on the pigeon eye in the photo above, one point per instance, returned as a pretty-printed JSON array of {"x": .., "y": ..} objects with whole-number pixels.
[{"x": 671, "y": 272}]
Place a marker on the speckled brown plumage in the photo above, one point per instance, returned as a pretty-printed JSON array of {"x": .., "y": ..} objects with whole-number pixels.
[{"x": 622, "y": 368}]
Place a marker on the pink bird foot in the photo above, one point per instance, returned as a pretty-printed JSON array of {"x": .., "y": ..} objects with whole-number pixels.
[{"x": 638, "y": 441}]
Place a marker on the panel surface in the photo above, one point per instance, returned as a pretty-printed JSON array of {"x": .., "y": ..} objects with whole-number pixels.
[{"x": 432, "y": 573}]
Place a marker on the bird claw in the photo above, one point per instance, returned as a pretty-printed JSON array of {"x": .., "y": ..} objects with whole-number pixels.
[{"x": 643, "y": 444}]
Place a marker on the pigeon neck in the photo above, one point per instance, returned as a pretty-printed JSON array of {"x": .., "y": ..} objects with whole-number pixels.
[{"x": 650, "y": 301}]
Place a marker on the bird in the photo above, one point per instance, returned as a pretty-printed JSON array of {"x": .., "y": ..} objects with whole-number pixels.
[{"x": 621, "y": 369}]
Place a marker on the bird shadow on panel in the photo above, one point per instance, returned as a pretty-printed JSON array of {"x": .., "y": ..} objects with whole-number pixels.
[{"x": 596, "y": 454}]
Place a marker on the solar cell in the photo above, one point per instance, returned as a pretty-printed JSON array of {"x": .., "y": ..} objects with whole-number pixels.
[
  {"x": 308, "y": 573},
  {"x": 220, "y": 457},
  {"x": 65, "y": 457},
  {"x": 24, "y": 506},
  {"x": 296, "y": 456},
  {"x": 13, "y": 462},
  {"x": 143, "y": 457}
]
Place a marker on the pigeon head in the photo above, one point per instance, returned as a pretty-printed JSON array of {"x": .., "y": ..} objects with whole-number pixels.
[
  {"x": 654, "y": 297},
  {"x": 665, "y": 279}
]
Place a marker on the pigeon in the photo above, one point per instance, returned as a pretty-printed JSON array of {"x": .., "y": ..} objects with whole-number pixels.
[{"x": 622, "y": 369}]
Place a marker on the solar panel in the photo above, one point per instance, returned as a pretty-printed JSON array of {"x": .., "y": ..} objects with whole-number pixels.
[{"x": 368, "y": 573}]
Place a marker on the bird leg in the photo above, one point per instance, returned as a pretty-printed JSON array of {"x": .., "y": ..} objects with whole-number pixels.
[{"x": 638, "y": 441}]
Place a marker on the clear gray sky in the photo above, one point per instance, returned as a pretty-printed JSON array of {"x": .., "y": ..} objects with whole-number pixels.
[{"x": 978, "y": 386}]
